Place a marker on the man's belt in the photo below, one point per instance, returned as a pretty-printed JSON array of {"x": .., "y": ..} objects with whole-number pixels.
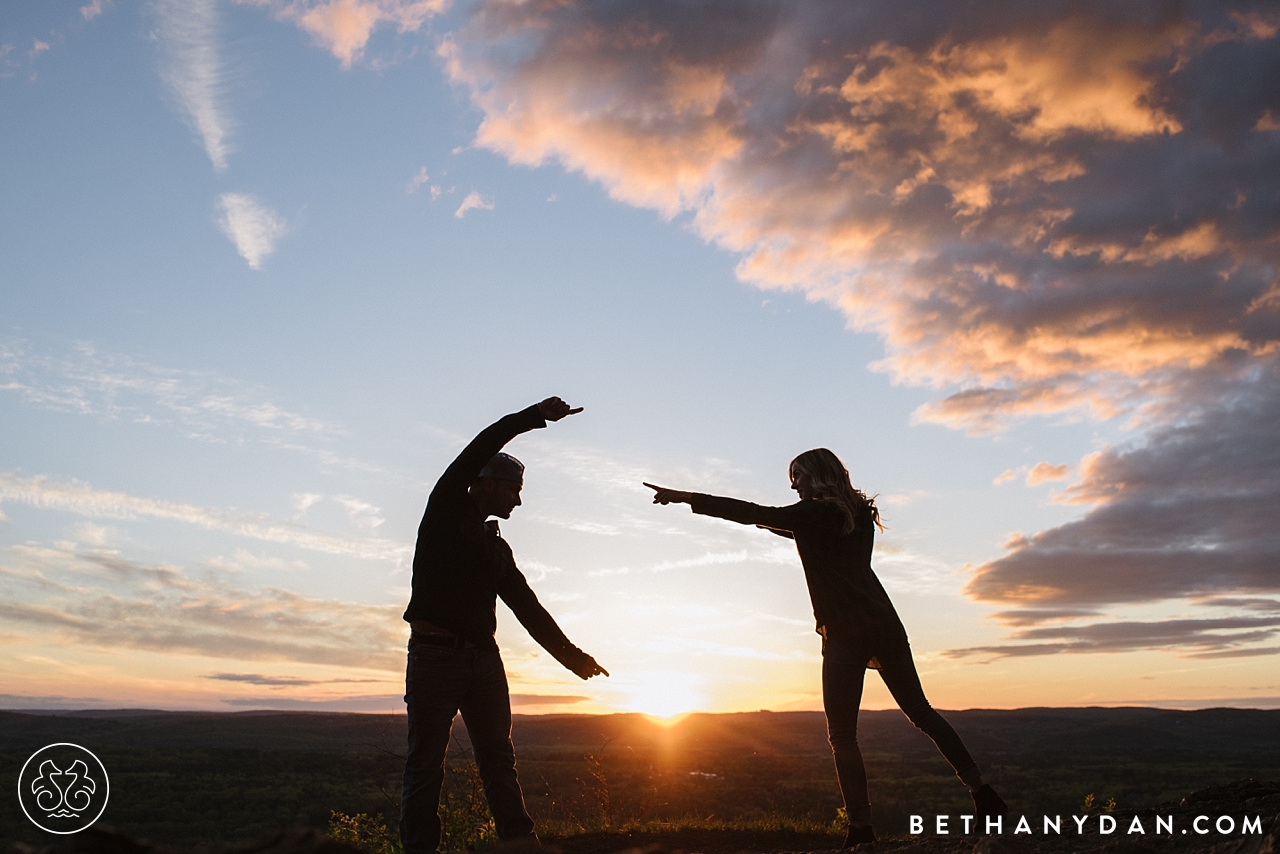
[
  {"x": 448, "y": 641},
  {"x": 425, "y": 632}
]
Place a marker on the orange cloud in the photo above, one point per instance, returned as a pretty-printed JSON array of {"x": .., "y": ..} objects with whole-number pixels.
[
  {"x": 1042, "y": 472},
  {"x": 1052, "y": 208},
  {"x": 1033, "y": 207}
]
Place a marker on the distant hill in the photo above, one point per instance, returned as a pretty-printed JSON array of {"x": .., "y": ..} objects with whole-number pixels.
[{"x": 1082, "y": 731}]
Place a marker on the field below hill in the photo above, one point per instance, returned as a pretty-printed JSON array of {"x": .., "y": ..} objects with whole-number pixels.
[{"x": 603, "y": 783}]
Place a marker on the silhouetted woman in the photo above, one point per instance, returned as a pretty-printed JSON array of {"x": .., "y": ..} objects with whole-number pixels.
[{"x": 833, "y": 526}]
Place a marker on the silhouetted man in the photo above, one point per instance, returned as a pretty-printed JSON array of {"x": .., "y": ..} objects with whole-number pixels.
[{"x": 460, "y": 566}]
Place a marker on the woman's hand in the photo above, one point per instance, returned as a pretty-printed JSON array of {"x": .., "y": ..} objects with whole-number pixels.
[{"x": 662, "y": 495}]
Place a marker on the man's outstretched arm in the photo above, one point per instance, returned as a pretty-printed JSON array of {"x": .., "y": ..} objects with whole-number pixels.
[{"x": 520, "y": 598}]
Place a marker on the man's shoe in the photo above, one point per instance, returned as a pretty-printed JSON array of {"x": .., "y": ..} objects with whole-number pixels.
[
  {"x": 987, "y": 803},
  {"x": 858, "y": 836}
]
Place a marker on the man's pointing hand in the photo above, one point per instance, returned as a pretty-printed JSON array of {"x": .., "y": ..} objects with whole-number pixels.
[
  {"x": 582, "y": 665},
  {"x": 588, "y": 668},
  {"x": 553, "y": 409}
]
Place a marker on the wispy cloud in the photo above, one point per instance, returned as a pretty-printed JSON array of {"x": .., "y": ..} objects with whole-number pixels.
[
  {"x": 1044, "y": 472},
  {"x": 547, "y": 699},
  {"x": 702, "y": 560},
  {"x": 192, "y": 68},
  {"x": 344, "y": 27},
  {"x": 1207, "y": 638},
  {"x": 82, "y": 499},
  {"x": 93, "y": 9},
  {"x": 416, "y": 182},
  {"x": 88, "y": 380},
  {"x": 202, "y": 405},
  {"x": 283, "y": 681},
  {"x": 252, "y": 227},
  {"x": 98, "y": 598},
  {"x": 473, "y": 202}
]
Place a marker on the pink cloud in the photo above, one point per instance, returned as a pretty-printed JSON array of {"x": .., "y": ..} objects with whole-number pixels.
[
  {"x": 1052, "y": 208},
  {"x": 93, "y": 10},
  {"x": 977, "y": 190},
  {"x": 1043, "y": 472},
  {"x": 473, "y": 202},
  {"x": 344, "y": 27}
]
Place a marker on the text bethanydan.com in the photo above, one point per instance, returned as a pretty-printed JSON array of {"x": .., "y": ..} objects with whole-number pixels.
[{"x": 1223, "y": 825}]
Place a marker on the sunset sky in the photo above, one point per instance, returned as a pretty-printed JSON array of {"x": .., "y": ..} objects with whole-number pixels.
[{"x": 267, "y": 265}]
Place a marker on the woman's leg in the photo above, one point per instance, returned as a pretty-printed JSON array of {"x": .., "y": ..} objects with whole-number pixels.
[
  {"x": 842, "y": 673},
  {"x": 898, "y": 670}
]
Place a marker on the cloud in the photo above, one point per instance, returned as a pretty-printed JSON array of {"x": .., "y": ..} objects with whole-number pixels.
[
  {"x": 1036, "y": 616},
  {"x": 473, "y": 201},
  {"x": 81, "y": 498},
  {"x": 203, "y": 405},
  {"x": 990, "y": 192},
  {"x": 244, "y": 560},
  {"x": 546, "y": 699},
  {"x": 344, "y": 27},
  {"x": 93, "y": 9},
  {"x": 1188, "y": 513},
  {"x": 1058, "y": 209},
  {"x": 252, "y": 227},
  {"x": 362, "y": 513},
  {"x": 192, "y": 68},
  {"x": 91, "y": 381},
  {"x": 1042, "y": 472},
  {"x": 712, "y": 559},
  {"x": 98, "y": 598},
  {"x": 1205, "y": 638},
  {"x": 380, "y": 703},
  {"x": 416, "y": 182},
  {"x": 282, "y": 681}
]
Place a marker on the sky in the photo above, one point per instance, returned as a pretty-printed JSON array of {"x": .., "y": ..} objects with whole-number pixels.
[{"x": 266, "y": 266}]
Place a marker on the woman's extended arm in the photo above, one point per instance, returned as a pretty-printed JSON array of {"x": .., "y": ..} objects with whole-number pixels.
[{"x": 777, "y": 519}]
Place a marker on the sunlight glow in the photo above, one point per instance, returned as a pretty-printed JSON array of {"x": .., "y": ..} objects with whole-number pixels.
[{"x": 665, "y": 695}]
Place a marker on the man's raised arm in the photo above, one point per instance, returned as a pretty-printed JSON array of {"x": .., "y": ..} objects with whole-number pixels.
[{"x": 463, "y": 471}]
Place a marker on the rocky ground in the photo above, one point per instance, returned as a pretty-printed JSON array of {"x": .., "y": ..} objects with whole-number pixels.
[{"x": 1245, "y": 799}]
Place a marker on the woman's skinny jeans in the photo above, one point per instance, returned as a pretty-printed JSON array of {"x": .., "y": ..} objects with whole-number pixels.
[{"x": 843, "y": 668}]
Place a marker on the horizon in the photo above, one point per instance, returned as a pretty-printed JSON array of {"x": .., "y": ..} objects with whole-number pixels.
[
  {"x": 1269, "y": 704},
  {"x": 269, "y": 266}
]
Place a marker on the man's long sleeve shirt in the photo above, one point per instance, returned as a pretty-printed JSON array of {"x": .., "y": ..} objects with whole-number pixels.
[{"x": 461, "y": 564}]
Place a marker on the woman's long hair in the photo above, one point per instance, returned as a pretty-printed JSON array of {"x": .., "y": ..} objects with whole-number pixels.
[{"x": 831, "y": 483}]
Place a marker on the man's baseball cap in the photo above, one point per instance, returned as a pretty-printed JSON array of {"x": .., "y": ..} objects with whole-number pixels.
[{"x": 504, "y": 467}]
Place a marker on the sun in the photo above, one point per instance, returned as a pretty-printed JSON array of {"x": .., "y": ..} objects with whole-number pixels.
[{"x": 665, "y": 695}]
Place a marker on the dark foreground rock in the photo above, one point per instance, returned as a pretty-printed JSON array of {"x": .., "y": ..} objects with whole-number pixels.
[{"x": 1250, "y": 808}]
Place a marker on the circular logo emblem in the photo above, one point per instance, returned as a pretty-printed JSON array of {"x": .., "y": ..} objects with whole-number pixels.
[{"x": 63, "y": 788}]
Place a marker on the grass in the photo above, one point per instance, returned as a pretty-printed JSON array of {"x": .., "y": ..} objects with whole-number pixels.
[{"x": 184, "y": 779}]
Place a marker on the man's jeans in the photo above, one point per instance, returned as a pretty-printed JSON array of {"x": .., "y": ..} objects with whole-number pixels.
[
  {"x": 440, "y": 682},
  {"x": 843, "y": 668}
]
